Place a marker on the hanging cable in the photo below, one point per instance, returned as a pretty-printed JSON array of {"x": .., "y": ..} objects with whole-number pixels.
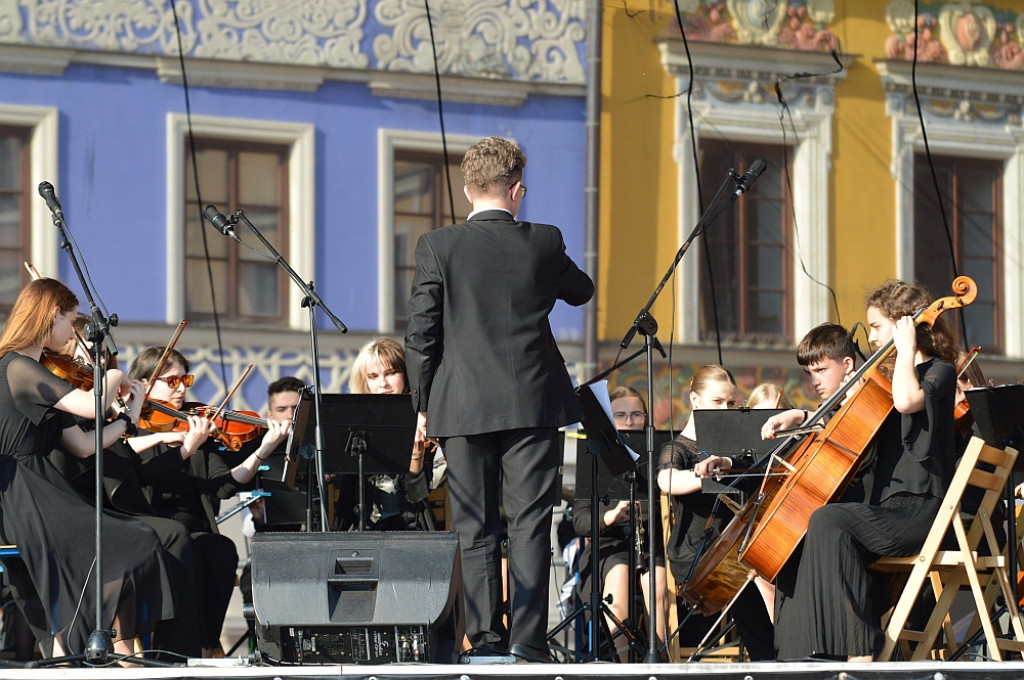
[
  {"x": 931, "y": 166},
  {"x": 199, "y": 199},
  {"x": 784, "y": 113},
  {"x": 440, "y": 117},
  {"x": 700, "y": 195}
]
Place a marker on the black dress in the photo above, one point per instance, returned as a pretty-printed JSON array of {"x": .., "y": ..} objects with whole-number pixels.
[
  {"x": 191, "y": 495},
  {"x": 127, "y": 479},
  {"x": 616, "y": 544},
  {"x": 826, "y": 604},
  {"x": 53, "y": 526},
  {"x": 692, "y": 533}
]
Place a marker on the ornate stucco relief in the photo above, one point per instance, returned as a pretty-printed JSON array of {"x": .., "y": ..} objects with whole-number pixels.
[
  {"x": 11, "y": 26},
  {"x": 534, "y": 41},
  {"x": 311, "y": 33},
  {"x": 131, "y": 26},
  {"x": 484, "y": 38}
]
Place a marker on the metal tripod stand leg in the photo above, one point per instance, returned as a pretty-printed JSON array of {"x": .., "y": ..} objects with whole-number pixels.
[{"x": 751, "y": 575}]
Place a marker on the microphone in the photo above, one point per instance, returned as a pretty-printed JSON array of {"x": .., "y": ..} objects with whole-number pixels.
[
  {"x": 224, "y": 225},
  {"x": 46, "y": 191},
  {"x": 749, "y": 179}
]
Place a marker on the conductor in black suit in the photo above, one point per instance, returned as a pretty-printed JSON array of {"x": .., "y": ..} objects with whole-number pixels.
[{"x": 482, "y": 361}]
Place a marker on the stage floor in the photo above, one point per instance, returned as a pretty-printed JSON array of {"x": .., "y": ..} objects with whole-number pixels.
[{"x": 237, "y": 669}]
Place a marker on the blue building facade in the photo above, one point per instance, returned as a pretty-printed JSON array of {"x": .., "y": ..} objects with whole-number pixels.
[{"x": 320, "y": 120}]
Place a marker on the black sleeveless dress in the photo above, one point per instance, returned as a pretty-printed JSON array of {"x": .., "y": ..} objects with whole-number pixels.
[{"x": 54, "y": 527}]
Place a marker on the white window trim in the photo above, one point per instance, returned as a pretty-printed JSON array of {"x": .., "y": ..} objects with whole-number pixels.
[
  {"x": 44, "y": 147},
  {"x": 970, "y": 139},
  {"x": 756, "y": 120},
  {"x": 301, "y": 138},
  {"x": 388, "y": 142}
]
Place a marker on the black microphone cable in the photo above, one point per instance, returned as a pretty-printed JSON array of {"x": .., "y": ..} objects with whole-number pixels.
[{"x": 199, "y": 195}]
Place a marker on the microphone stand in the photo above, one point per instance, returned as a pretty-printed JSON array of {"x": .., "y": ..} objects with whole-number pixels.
[
  {"x": 647, "y": 325},
  {"x": 311, "y": 301},
  {"x": 100, "y": 647}
]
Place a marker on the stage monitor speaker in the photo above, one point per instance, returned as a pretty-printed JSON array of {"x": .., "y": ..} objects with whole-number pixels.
[{"x": 358, "y": 597}]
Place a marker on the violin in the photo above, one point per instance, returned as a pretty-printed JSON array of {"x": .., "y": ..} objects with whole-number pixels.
[
  {"x": 74, "y": 370},
  {"x": 234, "y": 428},
  {"x": 963, "y": 420},
  {"x": 71, "y": 369}
]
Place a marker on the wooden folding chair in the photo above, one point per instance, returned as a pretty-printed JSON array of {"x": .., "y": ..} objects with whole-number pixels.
[{"x": 988, "y": 469}]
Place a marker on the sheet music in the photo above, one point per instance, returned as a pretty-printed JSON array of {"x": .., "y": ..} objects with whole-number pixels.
[{"x": 600, "y": 390}]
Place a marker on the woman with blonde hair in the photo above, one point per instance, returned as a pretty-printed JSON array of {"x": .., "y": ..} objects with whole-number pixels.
[
  {"x": 768, "y": 395},
  {"x": 712, "y": 387},
  {"x": 394, "y": 502},
  {"x": 53, "y": 581}
]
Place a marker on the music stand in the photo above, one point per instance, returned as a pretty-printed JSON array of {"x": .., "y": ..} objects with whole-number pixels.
[
  {"x": 283, "y": 507},
  {"x": 999, "y": 414},
  {"x": 733, "y": 432},
  {"x": 730, "y": 433},
  {"x": 605, "y": 445},
  {"x": 370, "y": 433}
]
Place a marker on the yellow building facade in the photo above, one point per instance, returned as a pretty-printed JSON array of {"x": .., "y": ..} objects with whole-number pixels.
[{"x": 829, "y": 94}]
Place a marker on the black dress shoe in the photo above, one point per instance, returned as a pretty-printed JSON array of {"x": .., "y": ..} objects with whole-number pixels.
[{"x": 529, "y": 654}]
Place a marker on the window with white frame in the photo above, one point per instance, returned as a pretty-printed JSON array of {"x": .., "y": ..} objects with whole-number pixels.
[
  {"x": 237, "y": 174},
  {"x": 28, "y": 156},
  {"x": 976, "y": 138},
  {"x": 971, "y": 195},
  {"x": 735, "y": 111},
  {"x": 413, "y": 199},
  {"x": 15, "y": 232},
  {"x": 748, "y": 271},
  {"x": 266, "y": 168},
  {"x": 421, "y": 204}
]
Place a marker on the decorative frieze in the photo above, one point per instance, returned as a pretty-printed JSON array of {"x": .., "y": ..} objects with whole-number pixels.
[
  {"x": 956, "y": 33},
  {"x": 535, "y": 41},
  {"x": 797, "y": 24}
]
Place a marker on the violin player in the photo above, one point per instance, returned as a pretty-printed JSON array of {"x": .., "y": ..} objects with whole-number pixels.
[
  {"x": 192, "y": 494},
  {"x": 41, "y": 513},
  {"x": 126, "y": 481},
  {"x": 824, "y": 607}
]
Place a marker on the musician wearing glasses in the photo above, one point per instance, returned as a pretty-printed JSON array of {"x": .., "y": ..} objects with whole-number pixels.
[
  {"x": 629, "y": 413},
  {"x": 192, "y": 494},
  {"x": 489, "y": 382}
]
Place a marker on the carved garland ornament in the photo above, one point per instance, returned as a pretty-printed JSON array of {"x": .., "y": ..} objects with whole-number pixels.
[
  {"x": 797, "y": 24},
  {"x": 957, "y": 33}
]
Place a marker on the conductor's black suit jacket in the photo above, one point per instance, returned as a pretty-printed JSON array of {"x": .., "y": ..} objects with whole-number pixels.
[{"x": 479, "y": 349}]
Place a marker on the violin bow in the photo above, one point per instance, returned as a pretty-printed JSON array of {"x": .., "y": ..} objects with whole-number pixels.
[
  {"x": 231, "y": 393},
  {"x": 163, "y": 358},
  {"x": 968, "y": 360}
]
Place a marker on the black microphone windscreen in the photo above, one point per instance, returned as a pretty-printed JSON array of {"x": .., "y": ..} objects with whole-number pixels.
[{"x": 216, "y": 218}]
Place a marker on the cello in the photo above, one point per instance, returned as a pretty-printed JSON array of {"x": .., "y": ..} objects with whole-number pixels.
[{"x": 826, "y": 461}]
